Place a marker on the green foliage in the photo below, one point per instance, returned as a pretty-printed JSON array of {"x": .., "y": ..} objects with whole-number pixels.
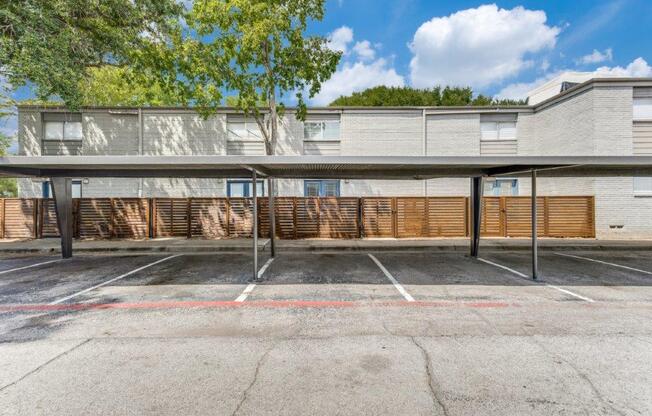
[
  {"x": 429, "y": 97},
  {"x": 8, "y": 186},
  {"x": 113, "y": 86},
  {"x": 51, "y": 44},
  {"x": 256, "y": 49}
]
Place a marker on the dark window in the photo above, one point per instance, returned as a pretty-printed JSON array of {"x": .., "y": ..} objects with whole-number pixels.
[
  {"x": 242, "y": 188},
  {"x": 321, "y": 188}
]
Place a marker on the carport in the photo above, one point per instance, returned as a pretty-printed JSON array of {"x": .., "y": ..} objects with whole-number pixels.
[{"x": 61, "y": 169}]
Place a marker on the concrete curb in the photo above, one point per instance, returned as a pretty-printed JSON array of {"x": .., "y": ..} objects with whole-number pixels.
[{"x": 325, "y": 249}]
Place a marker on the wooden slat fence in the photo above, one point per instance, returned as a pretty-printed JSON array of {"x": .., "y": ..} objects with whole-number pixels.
[{"x": 299, "y": 217}]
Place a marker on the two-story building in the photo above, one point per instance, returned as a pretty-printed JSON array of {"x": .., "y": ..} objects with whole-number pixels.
[{"x": 596, "y": 117}]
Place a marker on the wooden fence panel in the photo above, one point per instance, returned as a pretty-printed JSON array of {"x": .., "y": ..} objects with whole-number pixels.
[
  {"x": 296, "y": 217},
  {"x": 307, "y": 217},
  {"x": 377, "y": 217},
  {"x": 130, "y": 218},
  {"x": 447, "y": 217},
  {"x": 492, "y": 217},
  {"x": 571, "y": 216},
  {"x": 411, "y": 215},
  {"x": 518, "y": 216},
  {"x": 241, "y": 217},
  {"x": 171, "y": 217},
  {"x": 209, "y": 217},
  {"x": 338, "y": 218},
  {"x": 94, "y": 218},
  {"x": 20, "y": 218},
  {"x": 48, "y": 226}
]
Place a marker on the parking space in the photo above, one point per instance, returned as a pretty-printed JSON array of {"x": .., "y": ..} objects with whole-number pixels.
[
  {"x": 350, "y": 332},
  {"x": 53, "y": 281},
  {"x": 309, "y": 276}
]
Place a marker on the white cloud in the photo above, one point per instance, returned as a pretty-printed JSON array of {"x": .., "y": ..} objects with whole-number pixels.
[
  {"x": 478, "y": 47},
  {"x": 364, "y": 50},
  {"x": 357, "y": 77},
  {"x": 340, "y": 38},
  {"x": 637, "y": 68},
  {"x": 596, "y": 57}
]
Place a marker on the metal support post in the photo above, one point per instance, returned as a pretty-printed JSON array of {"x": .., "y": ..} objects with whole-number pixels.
[
  {"x": 476, "y": 214},
  {"x": 535, "y": 259},
  {"x": 255, "y": 221},
  {"x": 62, "y": 192},
  {"x": 272, "y": 217}
]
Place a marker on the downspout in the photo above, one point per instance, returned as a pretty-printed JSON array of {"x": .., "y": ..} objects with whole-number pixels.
[
  {"x": 424, "y": 149},
  {"x": 140, "y": 147}
]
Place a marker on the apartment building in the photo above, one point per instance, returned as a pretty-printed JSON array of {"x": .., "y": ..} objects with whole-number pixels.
[{"x": 595, "y": 117}]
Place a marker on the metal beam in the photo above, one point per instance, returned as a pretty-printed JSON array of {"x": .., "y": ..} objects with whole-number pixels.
[
  {"x": 535, "y": 259},
  {"x": 255, "y": 221},
  {"x": 62, "y": 192},
  {"x": 476, "y": 214},
  {"x": 272, "y": 216}
]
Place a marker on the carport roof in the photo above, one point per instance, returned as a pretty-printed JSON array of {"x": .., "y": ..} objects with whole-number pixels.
[{"x": 345, "y": 167}]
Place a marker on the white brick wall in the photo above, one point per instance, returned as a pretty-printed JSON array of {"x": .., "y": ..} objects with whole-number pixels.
[{"x": 597, "y": 121}]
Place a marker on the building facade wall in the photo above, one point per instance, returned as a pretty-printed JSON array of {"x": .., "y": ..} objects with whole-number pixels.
[{"x": 592, "y": 121}]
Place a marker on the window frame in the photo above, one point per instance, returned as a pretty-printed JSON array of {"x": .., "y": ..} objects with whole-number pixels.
[
  {"x": 514, "y": 188},
  {"x": 648, "y": 101},
  {"x": 254, "y": 134},
  {"x": 247, "y": 188},
  {"x": 63, "y": 138},
  {"x": 322, "y": 183},
  {"x": 499, "y": 136},
  {"x": 645, "y": 192},
  {"x": 46, "y": 187},
  {"x": 323, "y": 123}
]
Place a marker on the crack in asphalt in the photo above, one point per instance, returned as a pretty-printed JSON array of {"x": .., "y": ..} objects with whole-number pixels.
[
  {"x": 429, "y": 373},
  {"x": 245, "y": 394},
  {"x": 40, "y": 367},
  {"x": 582, "y": 375}
]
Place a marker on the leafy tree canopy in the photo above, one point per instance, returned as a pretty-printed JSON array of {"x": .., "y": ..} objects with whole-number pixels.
[
  {"x": 51, "y": 44},
  {"x": 256, "y": 49},
  {"x": 8, "y": 186},
  {"x": 408, "y": 96}
]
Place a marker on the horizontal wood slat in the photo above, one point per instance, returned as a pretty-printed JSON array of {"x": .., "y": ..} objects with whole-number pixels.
[{"x": 299, "y": 217}]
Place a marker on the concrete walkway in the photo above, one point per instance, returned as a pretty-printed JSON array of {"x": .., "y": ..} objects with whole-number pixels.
[{"x": 184, "y": 245}]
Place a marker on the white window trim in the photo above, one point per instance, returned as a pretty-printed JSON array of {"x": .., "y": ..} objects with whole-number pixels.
[
  {"x": 649, "y": 103},
  {"x": 63, "y": 130},
  {"x": 250, "y": 137},
  {"x": 322, "y": 139},
  {"x": 498, "y": 130}
]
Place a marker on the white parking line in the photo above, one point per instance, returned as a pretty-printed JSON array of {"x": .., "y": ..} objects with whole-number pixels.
[
  {"x": 250, "y": 287},
  {"x": 568, "y": 292},
  {"x": 245, "y": 293},
  {"x": 30, "y": 266},
  {"x": 122, "y": 276},
  {"x": 396, "y": 284},
  {"x": 604, "y": 262}
]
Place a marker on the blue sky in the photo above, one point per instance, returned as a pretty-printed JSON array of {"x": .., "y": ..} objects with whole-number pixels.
[{"x": 500, "y": 49}]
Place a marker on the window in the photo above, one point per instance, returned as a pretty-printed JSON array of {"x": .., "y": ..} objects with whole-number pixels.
[
  {"x": 643, "y": 186},
  {"x": 498, "y": 130},
  {"x": 643, "y": 108},
  {"x": 239, "y": 128},
  {"x": 242, "y": 189},
  {"x": 76, "y": 189},
  {"x": 321, "y": 188},
  {"x": 501, "y": 187},
  {"x": 62, "y": 126},
  {"x": 321, "y": 130}
]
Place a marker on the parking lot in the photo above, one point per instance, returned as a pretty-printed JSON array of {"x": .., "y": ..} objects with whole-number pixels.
[{"x": 327, "y": 333}]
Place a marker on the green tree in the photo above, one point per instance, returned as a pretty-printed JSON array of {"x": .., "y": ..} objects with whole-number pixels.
[
  {"x": 51, "y": 44},
  {"x": 114, "y": 86},
  {"x": 8, "y": 186},
  {"x": 256, "y": 49},
  {"x": 408, "y": 96}
]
